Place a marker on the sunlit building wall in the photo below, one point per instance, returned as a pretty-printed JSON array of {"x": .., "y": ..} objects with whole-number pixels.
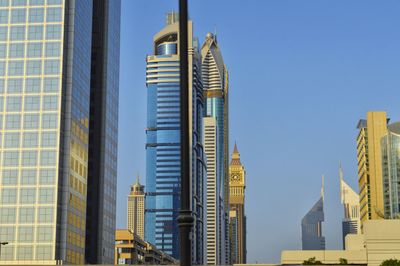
[
  {"x": 136, "y": 206},
  {"x": 163, "y": 142}
]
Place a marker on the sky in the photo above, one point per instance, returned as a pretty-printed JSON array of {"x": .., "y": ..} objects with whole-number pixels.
[{"x": 301, "y": 75}]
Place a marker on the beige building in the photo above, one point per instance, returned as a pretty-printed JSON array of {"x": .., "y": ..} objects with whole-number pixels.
[
  {"x": 237, "y": 216},
  {"x": 369, "y": 159},
  {"x": 136, "y": 207},
  {"x": 131, "y": 249},
  {"x": 380, "y": 241}
]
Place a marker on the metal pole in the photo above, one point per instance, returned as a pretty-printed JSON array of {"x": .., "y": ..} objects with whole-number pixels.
[{"x": 185, "y": 219}]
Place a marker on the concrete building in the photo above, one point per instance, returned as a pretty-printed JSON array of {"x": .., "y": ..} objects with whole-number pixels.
[
  {"x": 130, "y": 249},
  {"x": 311, "y": 225},
  {"x": 136, "y": 207},
  {"x": 380, "y": 241},
  {"x": 163, "y": 142},
  {"x": 391, "y": 171},
  {"x": 369, "y": 159},
  {"x": 351, "y": 223},
  {"x": 52, "y": 87},
  {"x": 215, "y": 84},
  {"x": 237, "y": 186}
]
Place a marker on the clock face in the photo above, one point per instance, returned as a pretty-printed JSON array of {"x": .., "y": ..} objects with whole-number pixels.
[{"x": 235, "y": 177}]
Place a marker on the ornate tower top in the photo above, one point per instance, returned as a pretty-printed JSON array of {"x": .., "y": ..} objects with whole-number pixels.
[
  {"x": 137, "y": 188},
  {"x": 235, "y": 156}
]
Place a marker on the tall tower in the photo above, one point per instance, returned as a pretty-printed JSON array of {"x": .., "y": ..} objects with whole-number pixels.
[
  {"x": 311, "y": 225},
  {"x": 351, "y": 203},
  {"x": 237, "y": 185},
  {"x": 163, "y": 142},
  {"x": 215, "y": 82},
  {"x": 136, "y": 206},
  {"x": 369, "y": 159},
  {"x": 391, "y": 170},
  {"x": 47, "y": 81}
]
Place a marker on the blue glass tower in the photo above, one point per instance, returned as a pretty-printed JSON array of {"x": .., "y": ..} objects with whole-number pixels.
[{"x": 163, "y": 142}]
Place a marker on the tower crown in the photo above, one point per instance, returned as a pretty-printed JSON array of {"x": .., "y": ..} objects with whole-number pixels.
[{"x": 235, "y": 156}]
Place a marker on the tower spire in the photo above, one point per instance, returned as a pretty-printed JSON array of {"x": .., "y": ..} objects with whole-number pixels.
[{"x": 323, "y": 188}]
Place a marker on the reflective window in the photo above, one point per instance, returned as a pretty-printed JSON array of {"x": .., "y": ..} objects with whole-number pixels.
[
  {"x": 25, "y": 234},
  {"x": 31, "y": 121},
  {"x": 9, "y": 196},
  {"x": 10, "y": 177},
  {"x": 29, "y": 158},
  {"x": 16, "y": 50},
  {"x": 11, "y": 140},
  {"x": 45, "y": 195},
  {"x": 17, "y": 33},
  {"x": 45, "y": 214},
  {"x": 36, "y": 14},
  {"x": 18, "y": 15},
  {"x": 27, "y": 195},
  {"x": 34, "y": 50},
  {"x": 26, "y": 215},
  {"x": 28, "y": 177},
  {"x": 14, "y": 104},
  {"x": 10, "y": 158},
  {"x": 30, "y": 140},
  {"x": 35, "y": 32},
  {"x": 32, "y": 103},
  {"x": 7, "y": 215}
]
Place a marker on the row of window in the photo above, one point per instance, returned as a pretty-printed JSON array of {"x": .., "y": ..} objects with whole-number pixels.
[
  {"x": 31, "y": 121},
  {"x": 29, "y": 158},
  {"x": 33, "y": 67},
  {"x": 33, "y": 50},
  {"x": 28, "y": 177},
  {"x": 34, "y": 33},
  {"x": 6, "y": 3},
  {"x": 26, "y": 196},
  {"x": 43, "y": 252},
  {"x": 35, "y": 15},
  {"x": 30, "y": 103},
  {"x": 32, "y": 85},
  {"x": 29, "y": 140}
]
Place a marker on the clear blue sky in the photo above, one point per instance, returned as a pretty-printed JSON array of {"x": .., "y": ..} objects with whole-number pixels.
[{"x": 302, "y": 73}]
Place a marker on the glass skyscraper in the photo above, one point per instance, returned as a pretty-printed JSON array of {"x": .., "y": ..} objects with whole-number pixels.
[
  {"x": 163, "y": 142},
  {"x": 46, "y": 86}
]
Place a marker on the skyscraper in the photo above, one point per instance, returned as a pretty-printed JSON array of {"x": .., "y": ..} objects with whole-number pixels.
[
  {"x": 45, "y": 98},
  {"x": 391, "y": 171},
  {"x": 136, "y": 199},
  {"x": 311, "y": 225},
  {"x": 215, "y": 83},
  {"x": 351, "y": 204},
  {"x": 369, "y": 159},
  {"x": 237, "y": 185},
  {"x": 163, "y": 141}
]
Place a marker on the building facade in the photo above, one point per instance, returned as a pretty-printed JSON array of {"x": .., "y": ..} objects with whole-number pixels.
[
  {"x": 311, "y": 225},
  {"x": 369, "y": 160},
  {"x": 163, "y": 142},
  {"x": 215, "y": 84},
  {"x": 136, "y": 207},
  {"x": 351, "y": 223},
  {"x": 391, "y": 171},
  {"x": 237, "y": 186},
  {"x": 45, "y": 98}
]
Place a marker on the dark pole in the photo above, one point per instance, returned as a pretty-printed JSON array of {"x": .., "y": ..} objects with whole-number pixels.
[{"x": 185, "y": 219}]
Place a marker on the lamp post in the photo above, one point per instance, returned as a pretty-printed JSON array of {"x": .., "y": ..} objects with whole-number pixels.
[
  {"x": 185, "y": 218},
  {"x": 2, "y": 244}
]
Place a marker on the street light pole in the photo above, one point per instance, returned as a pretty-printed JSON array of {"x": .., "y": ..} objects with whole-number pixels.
[
  {"x": 185, "y": 219},
  {"x": 2, "y": 244}
]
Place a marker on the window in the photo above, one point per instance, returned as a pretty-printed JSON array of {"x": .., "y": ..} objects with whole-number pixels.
[
  {"x": 53, "y": 32},
  {"x": 49, "y": 139},
  {"x": 32, "y": 85},
  {"x": 54, "y": 14},
  {"x": 24, "y": 252},
  {"x": 28, "y": 177},
  {"x": 27, "y": 196},
  {"x": 16, "y": 50},
  {"x": 43, "y": 252},
  {"x": 26, "y": 215},
  {"x": 36, "y": 14},
  {"x": 36, "y": 2},
  {"x": 18, "y": 15},
  {"x": 14, "y": 86},
  {"x": 45, "y": 214},
  {"x": 34, "y": 50},
  {"x": 35, "y": 32},
  {"x": 11, "y": 140},
  {"x": 47, "y": 176},
  {"x": 46, "y": 195},
  {"x": 34, "y": 67},
  {"x": 1, "y": 103},
  {"x": 7, "y": 215},
  {"x": 25, "y": 234},
  {"x": 31, "y": 121},
  {"x": 3, "y": 50},
  {"x": 49, "y": 121},
  {"x": 50, "y": 103},
  {"x": 48, "y": 158},
  {"x": 16, "y": 68},
  {"x": 51, "y": 67},
  {"x": 54, "y": 2},
  {"x": 14, "y": 104},
  {"x": 10, "y": 158},
  {"x": 4, "y": 16},
  {"x": 53, "y": 49},
  {"x": 19, "y": 2},
  {"x": 10, "y": 177},
  {"x": 30, "y": 140},
  {"x": 9, "y": 196},
  {"x": 51, "y": 84},
  {"x": 44, "y": 234},
  {"x": 7, "y": 234},
  {"x": 17, "y": 33},
  {"x": 32, "y": 103},
  {"x": 2, "y": 87},
  {"x": 29, "y": 158}
]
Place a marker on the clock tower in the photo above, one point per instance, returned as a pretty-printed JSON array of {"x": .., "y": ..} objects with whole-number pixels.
[{"x": 237, "y": 185}]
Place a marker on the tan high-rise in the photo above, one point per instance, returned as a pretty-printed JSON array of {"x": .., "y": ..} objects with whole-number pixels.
[
  {"x": 369, "y": 159},
  {"x": 237, "y": 185},
  {"x": 136, "y": 207}
]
